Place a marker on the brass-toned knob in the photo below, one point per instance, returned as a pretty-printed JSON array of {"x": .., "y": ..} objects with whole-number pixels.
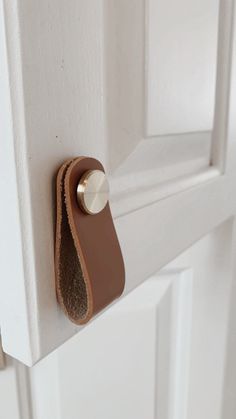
[{"x": 93, "y": 191}]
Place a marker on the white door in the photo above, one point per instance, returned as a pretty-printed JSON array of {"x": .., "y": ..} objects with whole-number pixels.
[{"x": 149, "y": 88}]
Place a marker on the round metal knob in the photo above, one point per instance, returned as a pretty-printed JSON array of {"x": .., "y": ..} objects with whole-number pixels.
[{"x": 93, "y": 191}]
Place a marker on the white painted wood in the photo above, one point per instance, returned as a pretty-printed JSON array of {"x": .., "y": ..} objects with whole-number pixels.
[
  {"x": 178, "y": 307},
  {"x": 145, "y": 377},
  {"x": 173, "y": 321},
  {"x": 21, "y": 318},
  {"x": 2, "y": 357},
  {"x": 67, "y": 91},
  {"x": 128, "y": 73},
  {"x": 224, "y": 85},
  {"x": 9, "y": 394},
  {"x": 181, "y": 65},
  {"x": 228, "y": 399},
  {"x": 14, "y": 391},
  {"x": 71, "y": 83},
  {"x": 11, "y": 225},
  {"x": 131, "y": 83},
  {"x": 45, "y": 381},
  {"x": 211, "y": 260},
  {"x": 124, "y": 77},
  {"x": 155, "y": 161},
  {"x": 230, "y": 126}
]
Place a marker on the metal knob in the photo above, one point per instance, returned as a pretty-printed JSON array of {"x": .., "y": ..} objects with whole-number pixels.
[{"x": 93, "y": 191}]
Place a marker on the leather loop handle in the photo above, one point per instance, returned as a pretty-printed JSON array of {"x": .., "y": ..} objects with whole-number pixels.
[{"x": 88, "y": 261}]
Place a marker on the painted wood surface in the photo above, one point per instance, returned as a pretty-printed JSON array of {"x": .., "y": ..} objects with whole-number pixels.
[
  {"x": 67, "y": 92},
  {"x": 83, "y": 79},
  {"x": 148, "y": 374}
]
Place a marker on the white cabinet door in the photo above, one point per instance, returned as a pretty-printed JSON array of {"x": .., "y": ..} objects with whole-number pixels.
[{"x": 148, "y": 88}]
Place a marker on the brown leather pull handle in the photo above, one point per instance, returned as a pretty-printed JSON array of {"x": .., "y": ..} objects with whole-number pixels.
[{"x": 88, "y": 261}]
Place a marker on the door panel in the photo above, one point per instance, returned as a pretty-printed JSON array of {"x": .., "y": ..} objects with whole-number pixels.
[
  {"x": 181, "y": 65},
  {"x": 139, "y": 349},
  {"x": 159, "y": 353},
  {"x": 147, "y": 87},
  {"x": 212, "y": 260},
  {"x": 15, "y": 400},
  {"x": 75, "y": 81}
]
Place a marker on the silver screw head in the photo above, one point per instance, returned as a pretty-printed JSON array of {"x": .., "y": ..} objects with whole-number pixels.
[{"x": 93, "y": 192}]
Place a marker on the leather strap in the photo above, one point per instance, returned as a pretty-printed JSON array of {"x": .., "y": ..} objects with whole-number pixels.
[{"x": 88, "y": 261}]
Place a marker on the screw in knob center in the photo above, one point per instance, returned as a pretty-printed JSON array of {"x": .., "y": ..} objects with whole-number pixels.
[{"x": 93, "y": 191}]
